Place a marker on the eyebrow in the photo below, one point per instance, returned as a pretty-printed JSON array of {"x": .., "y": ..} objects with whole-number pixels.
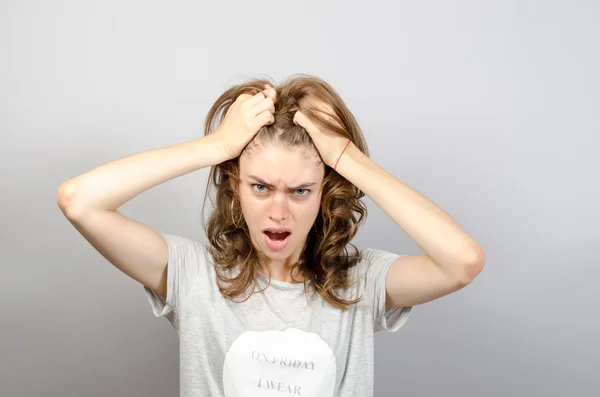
[{"x": 265, "y": 183}]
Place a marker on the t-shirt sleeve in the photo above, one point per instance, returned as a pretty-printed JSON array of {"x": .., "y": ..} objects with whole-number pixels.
[
  {"x": 185, "y": 265},
  {"x": 376, "y": 265}
]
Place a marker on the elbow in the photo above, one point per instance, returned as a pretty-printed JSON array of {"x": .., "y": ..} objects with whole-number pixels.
[
  {"x": 472, "y": 266},
  {"x": 65, "y": 198}
]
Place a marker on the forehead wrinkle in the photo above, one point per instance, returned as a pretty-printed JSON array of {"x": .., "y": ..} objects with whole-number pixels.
[
  {"x": 271, "y": 174},
  {"x": 309, "y": 183},
  {"x": 280, "y": 177}
]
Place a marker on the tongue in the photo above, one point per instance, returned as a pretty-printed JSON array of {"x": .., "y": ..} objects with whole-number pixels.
[{"x": 277, "y": 236}]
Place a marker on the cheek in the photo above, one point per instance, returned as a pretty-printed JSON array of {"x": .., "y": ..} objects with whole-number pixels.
[
  {"x": 306, "y": 213},
  {"x": 254, "y": 210},
  {"x": 249, "y": 208}
]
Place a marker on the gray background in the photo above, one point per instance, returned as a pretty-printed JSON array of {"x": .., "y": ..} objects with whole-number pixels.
[{"x": 490, "y": 109}]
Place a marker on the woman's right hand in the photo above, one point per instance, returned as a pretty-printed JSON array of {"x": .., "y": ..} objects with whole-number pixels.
[{"x": 244, "y": 118}]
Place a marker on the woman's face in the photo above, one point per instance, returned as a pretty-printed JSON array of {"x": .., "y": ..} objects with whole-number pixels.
[{"x": 280, "y": 193}]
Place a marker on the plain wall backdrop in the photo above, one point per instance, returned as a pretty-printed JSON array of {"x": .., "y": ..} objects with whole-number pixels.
[{"x": 490, "y": 109}]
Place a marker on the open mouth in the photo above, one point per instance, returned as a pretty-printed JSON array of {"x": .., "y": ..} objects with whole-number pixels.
[
  {"x": 277, "y": 236},
  {"x": 276, "y": 239}
]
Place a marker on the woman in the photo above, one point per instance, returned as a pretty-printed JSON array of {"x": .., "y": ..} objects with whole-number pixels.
[{"x": 274, "y": 303}]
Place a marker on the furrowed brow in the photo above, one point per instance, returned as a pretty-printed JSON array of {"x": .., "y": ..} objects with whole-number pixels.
[{"x": 265, "y": 183}]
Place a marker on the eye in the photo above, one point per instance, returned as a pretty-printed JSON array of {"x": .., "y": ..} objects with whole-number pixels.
[
  {"x": 302, "y": 192},
  {"x": 259, "y": 188}
]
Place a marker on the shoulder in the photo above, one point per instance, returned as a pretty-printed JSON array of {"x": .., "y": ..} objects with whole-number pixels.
[
  {"x": 372, "y": 260},
  {"x": 370, "y": 269},
  {"x": 186, "y": 253},
  {"x": 375, "y": 255},
  {"x": 179, "y": 242}
]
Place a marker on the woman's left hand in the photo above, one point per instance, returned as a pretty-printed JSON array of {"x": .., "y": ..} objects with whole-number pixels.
[{"x": 329, "y": 144}]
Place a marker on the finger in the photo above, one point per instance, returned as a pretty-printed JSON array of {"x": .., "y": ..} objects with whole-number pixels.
[
  {"x": 265, "y": 118},
  {"x": 243, "y": 97},
  {"x": 304, "y": 122},
  {"x": 266, "y": 104},
  {"x": 254, "y": 99},
  {"x": 270, "y": 93}
]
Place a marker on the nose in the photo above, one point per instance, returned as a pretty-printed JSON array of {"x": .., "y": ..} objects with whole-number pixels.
[{"x": 278, "y": 211}]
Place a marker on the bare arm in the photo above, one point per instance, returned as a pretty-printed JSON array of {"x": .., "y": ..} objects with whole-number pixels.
[
  {"x": 451, "y": 259},
  {"x": 111, "y": 185},
  {"x": 91, "y": 200}
]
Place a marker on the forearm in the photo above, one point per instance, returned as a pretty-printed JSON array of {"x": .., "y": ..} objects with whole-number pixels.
[
  {"x": 440, "y": 237},
  {"x": 111, "y": 185}
]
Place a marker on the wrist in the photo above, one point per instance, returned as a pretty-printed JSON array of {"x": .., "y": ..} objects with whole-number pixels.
[
  {"x": 349, "y": 160},
  {"x": 337, "y": 160},
  {"x": 213, "y": 148}
]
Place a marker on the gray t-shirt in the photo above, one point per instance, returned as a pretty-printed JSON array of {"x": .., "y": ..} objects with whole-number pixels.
[{"x": 280, "y": 342}]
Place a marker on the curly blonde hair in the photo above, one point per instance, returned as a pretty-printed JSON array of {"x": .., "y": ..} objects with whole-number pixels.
[{"x": 325, "y": 260}]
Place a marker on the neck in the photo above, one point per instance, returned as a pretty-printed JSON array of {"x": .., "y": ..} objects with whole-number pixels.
[{"x": 281, "y": 270}]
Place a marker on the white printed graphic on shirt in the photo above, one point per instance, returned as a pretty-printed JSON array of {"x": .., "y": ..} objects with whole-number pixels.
[{"x": 279, "y": 363}]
